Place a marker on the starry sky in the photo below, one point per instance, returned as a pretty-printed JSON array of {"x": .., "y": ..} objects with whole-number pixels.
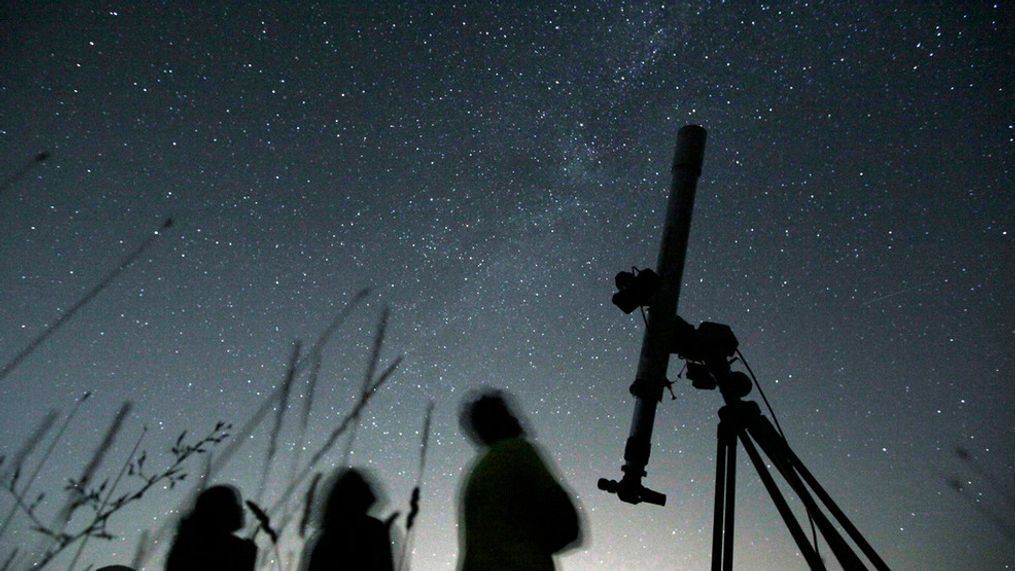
[{"x": 486, "y": 169}]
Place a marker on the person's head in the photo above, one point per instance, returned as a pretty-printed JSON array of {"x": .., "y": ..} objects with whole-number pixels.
[
  {"x": 218, "y": 508},
  {"x": 351, "y": 494},
  {"x": 488, "y": 418}
]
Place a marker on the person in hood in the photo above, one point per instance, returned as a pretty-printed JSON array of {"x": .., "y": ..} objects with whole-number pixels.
[
  {"x": 205, "y": 539},
  {"x": 514, "y": 512},
  {"x": 349, "y": 537}
]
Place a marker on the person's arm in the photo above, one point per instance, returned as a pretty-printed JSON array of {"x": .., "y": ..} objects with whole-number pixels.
[
  {"x": 249, "y": 555},
  {"x": 557, "y": 515},
  {"x": 385, "y": 560}
]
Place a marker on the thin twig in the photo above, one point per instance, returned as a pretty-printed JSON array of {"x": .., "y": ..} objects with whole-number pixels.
[
  {"x": 27, "y": 508},
  {"x": 109, "y": 494},
  {"x": 78, "y": 487},
  {"x": 44, "y": 459},
  {"x": 97, "y": 525}
]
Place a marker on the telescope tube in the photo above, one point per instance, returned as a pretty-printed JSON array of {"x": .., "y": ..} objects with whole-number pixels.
[{"x": 655, "y": 347}]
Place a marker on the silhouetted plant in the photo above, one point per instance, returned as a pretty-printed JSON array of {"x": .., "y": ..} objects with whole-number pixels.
[
  {"x": 99, "y": 498},
  {"x": 410, "y": 519},
  {"x": 10, "y": 560},
  {"x": 282, "y": 510},
  {"x": 308, "y": 504},
  {"x": 45, "y": 457},
  {"x": 990, "y": 509},
  {"x": 371, "y": 384},
  {"x": 66, "y": 316},
  {"x": 264, "y": 523},
  {"x": 290, "y": 376}
]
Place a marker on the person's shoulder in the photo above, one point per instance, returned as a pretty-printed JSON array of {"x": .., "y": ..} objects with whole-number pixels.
[
  {"x": 241, "y": 546},
  {"x": 519, "y": 449},
  {"x": 374, "y": 525},
  {"x": 513, "y": 445},
  {"x": 508, "y": 455}
]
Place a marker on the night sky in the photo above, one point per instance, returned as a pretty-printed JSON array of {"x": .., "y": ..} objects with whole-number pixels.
[{"x": 486, "y": 169}]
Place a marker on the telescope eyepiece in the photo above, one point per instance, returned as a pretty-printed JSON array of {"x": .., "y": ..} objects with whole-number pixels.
[{"x": 631, "y": 492}]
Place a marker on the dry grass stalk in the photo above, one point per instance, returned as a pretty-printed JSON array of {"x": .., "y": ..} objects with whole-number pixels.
[
  {"x": 12, "y": 478},
  {"x": 10, "y": 560},
  {"x": 332, "y": 328},
  {"x": 140, "y": 550},
  {"x": 223, "y": 458},
  {"x": 29, "y": 445},
  {"x": 279, "y": 417},
  {"x": 42, "y": 462},
  {"x": 24, "y": 170},
  {"x": 78, "y": 488},
  {"x": 308, "y": 504},
  {"x": 336, "y": 433},
  {"x": 410, "y": 520},
  {"x": 368, "y": 379},
  {"x": 56, "y": 439},
  {"x": 102, "y": 503},
  {"x": 264, "y": 523},
  {"x": 282, "y": 502},
  {"x": 308, "y": 405},
  {"x": 109, "y": 493},
  {"x": 88, "y": 297}
]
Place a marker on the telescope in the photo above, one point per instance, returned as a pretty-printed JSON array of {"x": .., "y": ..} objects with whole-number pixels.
[
  {"x": 659, "y": 290},
  {"x": 708, "y": 351}
]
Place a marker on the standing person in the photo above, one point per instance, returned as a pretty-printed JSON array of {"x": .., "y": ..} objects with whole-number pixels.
[
  {"x": 349, "y": 537},
  {"x": 205, "y": 541},
  {"x": 514, "y": 514}
]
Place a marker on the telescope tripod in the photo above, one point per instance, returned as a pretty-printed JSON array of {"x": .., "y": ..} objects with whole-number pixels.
[{"x": 743, "y": 420}]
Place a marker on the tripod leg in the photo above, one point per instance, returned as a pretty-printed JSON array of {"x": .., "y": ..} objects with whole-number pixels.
[
  {"x": 780, "y": 503},
  {"x": 725, "y": 497},
  {"x": 837, "y": 513},
  {"x": 778, "y": 451},
  {"x": 719, "y": 510},
  {"x": 731, "y": 496}
]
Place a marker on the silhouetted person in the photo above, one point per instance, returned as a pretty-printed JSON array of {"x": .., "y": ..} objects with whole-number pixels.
[
  {"x": 349, "y": 538},
  {"x": 515, "y": 515},
  {"x": 205, "y": 541}
]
